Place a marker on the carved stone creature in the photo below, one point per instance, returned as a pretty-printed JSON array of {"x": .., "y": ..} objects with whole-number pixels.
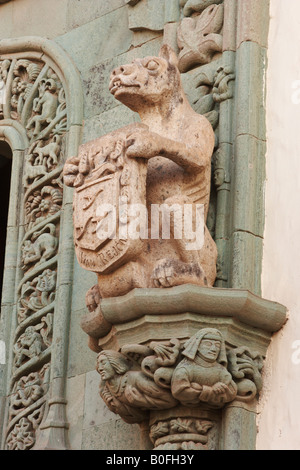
[
  {"x": 48, "y": 154},
  {"x": 41, "y": 159},
  {"x": 25, "y": 74},
  {"x": 44, "y": 106},
  {"x": 245, "y": 366},
  {"x": 32, "y": 170},
  {"x": 32, "y": 173},
  {"x": 177, "y": 145},
  {"x": 41, "y": 246}
]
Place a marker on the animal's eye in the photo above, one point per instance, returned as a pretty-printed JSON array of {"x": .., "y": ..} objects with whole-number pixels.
[{"x": 152, "y": 65}]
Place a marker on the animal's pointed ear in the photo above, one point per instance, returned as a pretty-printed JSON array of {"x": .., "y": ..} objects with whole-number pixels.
[{"x": 167, "y": 53}]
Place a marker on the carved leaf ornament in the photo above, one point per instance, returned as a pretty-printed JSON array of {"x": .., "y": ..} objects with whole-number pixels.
[{"x": 199, "y": 37}]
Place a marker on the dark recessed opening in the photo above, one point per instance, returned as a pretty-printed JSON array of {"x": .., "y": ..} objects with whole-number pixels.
[{"x": 5, "y": 176}]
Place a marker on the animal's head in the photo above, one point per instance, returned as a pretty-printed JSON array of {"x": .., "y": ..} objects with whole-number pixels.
[{"x": 146, "y": 81}]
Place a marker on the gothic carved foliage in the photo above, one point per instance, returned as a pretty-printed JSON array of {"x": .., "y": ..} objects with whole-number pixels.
[
  {"x": 27, "y": 409},
  {"x": 181, "y": 434},
  {"x": 34, "y": 97},
  {"x": 199, "y": 37}
]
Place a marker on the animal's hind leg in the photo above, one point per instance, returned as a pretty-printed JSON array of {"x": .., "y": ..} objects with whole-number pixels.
[
  {"x": 172, "y": 272},
  {"x": 186, "y": 266}
]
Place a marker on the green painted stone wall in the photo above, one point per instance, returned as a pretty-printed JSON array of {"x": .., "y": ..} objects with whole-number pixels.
[{"x": 99, "y": 35}]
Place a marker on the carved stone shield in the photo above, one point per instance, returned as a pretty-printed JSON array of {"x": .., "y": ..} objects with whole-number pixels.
[{"x": 107, "y": 184}]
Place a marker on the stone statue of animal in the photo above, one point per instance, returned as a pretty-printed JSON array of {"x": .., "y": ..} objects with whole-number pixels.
[{"x": 177, "y": 144}]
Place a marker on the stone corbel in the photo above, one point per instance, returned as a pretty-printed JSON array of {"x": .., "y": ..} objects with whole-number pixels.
[
  {"x": 182, "y": 387},
  {"x": 147, "y": 306},
  {"x": 126, "y": 332}
]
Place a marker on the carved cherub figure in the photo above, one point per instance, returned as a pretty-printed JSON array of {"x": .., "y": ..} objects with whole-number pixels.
[
  {"x": 202, "y": 376},
  {"x": 177, "y": 145}
]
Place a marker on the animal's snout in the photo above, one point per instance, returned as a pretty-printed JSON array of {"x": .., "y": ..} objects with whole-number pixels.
[
  {"x": 127, "y": 69},
  {"x": 123, "y": 76}
]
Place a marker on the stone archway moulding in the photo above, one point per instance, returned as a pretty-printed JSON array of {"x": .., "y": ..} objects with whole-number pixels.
[{"x": 41, "y": 117}]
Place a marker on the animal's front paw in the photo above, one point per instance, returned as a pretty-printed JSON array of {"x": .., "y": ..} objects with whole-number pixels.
[
  {"x": 172, "y": 272},
  {"x": 164, "y": 274},
  {"x": 143, "y": 144}
]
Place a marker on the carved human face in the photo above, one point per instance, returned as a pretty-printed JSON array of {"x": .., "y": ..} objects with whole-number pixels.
[
  {"x": 219, "y": 177},
  {"x": 209, "y": 349},
  {"x": 105, "y": 368},
  {"x": 142, "y": 82}
]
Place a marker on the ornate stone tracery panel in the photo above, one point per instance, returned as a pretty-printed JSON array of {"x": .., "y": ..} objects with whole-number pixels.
[{"x": 38, "y": 78}]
